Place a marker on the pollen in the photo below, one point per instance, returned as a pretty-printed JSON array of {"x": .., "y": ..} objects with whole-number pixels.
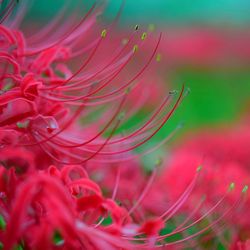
[
  {"x": 144, "y": 36},
  {"x": 158, "y": 57},
  {"x": 199, "y": 169},
  {"x": 135, "y": 48},
  {"x": 244, "y": 190},
  {"x": 104, "y": 33},
  {"x": 231, "y": 186}
]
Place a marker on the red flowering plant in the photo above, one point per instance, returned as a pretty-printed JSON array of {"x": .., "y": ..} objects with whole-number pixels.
[
  {"x": 69, "y": 178},
  {"x": 225, "y": 158}
]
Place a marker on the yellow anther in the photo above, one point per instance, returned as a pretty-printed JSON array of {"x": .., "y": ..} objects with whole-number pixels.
[
  {"x": 199, "y": 169},
  {"x": 244, "y": 190},
  {"x": 104, "y": 33},
  {"x": 136, "y": 27},
  {"x": 158, "y": 57},
  {"x": 158, "y": 162},
  {"x": 143, "y": 36},
  {"x": 135, "y": 48},
  {"x": 231, "y": 186}
]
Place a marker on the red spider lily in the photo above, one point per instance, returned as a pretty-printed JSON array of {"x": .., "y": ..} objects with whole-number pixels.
[
  {"x": 38, "y": 206},
  {"x": 42, "y": 98},
  {"x": 225, "y": 156},
  {"x": 51, "y": 82}
]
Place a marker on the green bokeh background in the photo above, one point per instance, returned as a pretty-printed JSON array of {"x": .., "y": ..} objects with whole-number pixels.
[{"x": 166, "y": 12}]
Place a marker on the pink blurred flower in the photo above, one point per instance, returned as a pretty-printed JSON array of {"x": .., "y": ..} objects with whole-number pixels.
[
  {"x": 202, "y": 47},
  {"x": 225, "y": 159}
]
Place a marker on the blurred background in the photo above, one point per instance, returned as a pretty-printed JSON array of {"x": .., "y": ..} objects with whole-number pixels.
[{"x": 208, "y": 48}]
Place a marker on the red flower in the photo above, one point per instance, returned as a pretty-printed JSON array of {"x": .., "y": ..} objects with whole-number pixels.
[
  {"x": 48, "y": 86},
  {"x": 52, "y": 140},
  {"x": 225, "y": 159}
]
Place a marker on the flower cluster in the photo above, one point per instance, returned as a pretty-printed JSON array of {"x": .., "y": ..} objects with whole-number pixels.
[
  {"x": 69, "y": 174},
  {"x": 225, "y": 158}
]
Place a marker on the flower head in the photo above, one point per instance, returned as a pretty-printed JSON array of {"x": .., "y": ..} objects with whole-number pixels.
[
  {"x": 65, "y": 165},
  {"x": 48, "y": 85},
  {"x": 224, "y": 156}
]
